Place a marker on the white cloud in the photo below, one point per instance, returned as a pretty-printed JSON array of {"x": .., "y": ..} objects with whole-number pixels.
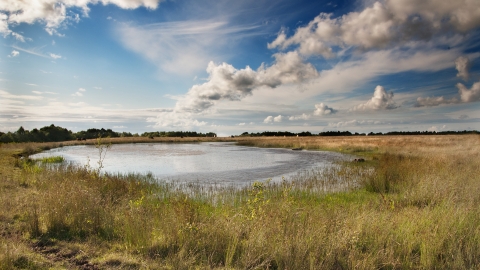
[
  {"x": 4, "y": 24},
  {"x": 381, "y": 100},
  {"x": 241, "y": 124},
  {"x": 34, "y": 51},
  {"x": 55, "y": 56},
  {"x": 14, "y": 53},
  {"x": 469, "y": 95},
  {"x": 18, "y": 37},
  {"x": 322, "y": 109},
  {"x": 81, "y": 89},
  {"x": 7, "y": 95},
  {"x": 462, "y": 64},
  {"x": 271, "y": 119},
  {"x": 384, "y": 24},
  {"x": 227, "y": 83},
  {"x": 97, "y": 87},
  {"x": 56, "y": 13},
  {"x": 268, "y": 120},
  {"x": 299, "y": 117},
  {"x": 278, "y": 119},
  {"x": 37, "y": 92}
]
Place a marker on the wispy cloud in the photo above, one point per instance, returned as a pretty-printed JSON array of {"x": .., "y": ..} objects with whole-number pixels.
[
  {"x": 33, "y": 51},
  {"x": 7, "y": 95},
  {"x": 182, "y": 47}
]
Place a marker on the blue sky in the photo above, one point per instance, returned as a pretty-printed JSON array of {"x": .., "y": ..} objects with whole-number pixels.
[{"x": 236, "y": 66}]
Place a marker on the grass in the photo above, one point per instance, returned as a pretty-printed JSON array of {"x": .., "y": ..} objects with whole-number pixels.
[
  {"x": 414, "y": 204},
  {"x": 53, "y": 159}
]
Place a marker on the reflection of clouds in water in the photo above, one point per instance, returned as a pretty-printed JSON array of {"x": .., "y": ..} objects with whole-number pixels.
[{"x": 223, "y": 163}]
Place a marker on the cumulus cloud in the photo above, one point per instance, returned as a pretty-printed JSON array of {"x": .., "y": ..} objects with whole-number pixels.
[
  {"x": 462, "y": 64},
  {"x": 278, "y": 119},
  {"x": 271, "y": 119},
  {"x": 268, "y": 120},
  {"x": 299, "y": 117},
  {"x": 322, "y": 109},
  {"x": 228, "y": 83},
  {"x": 55, "y": 13},
  {"x": 382, "y": 25},
  {"x": 14, "y": 53},
  {"x": 381, "y": 100},
  {"x": 469, "y": 95}
]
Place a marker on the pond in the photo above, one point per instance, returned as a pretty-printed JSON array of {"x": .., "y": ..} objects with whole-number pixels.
[{"x": 206, "y": 163}]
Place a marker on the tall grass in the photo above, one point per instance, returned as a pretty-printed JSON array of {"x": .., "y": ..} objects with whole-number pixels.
[{"x": 413, "y": 204}]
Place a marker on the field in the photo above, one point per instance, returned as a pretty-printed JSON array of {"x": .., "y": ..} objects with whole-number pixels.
[{"x": 413, "y": 204}]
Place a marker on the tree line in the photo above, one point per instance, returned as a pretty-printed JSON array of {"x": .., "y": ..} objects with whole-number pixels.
[
  {"x": 54, "y": 133},
  {"x": 348, "y": 133}
]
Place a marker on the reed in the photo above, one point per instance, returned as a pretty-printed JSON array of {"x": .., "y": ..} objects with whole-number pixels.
[{"x": 413, "y": 204}]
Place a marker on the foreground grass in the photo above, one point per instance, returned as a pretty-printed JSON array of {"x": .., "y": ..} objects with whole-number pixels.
[{"x": 414, "y": 204}]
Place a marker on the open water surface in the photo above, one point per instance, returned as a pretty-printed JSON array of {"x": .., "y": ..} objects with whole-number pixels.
[{"x": 208, "y": 162}]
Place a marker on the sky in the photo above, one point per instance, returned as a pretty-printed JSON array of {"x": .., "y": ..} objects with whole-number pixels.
[{"x": 240, "y": 66}]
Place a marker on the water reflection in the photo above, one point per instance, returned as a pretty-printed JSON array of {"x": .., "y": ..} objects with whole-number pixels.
[{"x": 211, "y": 162}]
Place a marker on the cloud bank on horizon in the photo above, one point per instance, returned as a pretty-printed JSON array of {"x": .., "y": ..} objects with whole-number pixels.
[{"x": 387, "y": 65}]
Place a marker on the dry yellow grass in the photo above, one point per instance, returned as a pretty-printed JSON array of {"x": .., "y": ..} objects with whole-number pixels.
[{"x": 414, "y": 204}]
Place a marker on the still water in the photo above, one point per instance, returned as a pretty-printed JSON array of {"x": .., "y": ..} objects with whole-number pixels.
[{"x": 209, "y": 162}]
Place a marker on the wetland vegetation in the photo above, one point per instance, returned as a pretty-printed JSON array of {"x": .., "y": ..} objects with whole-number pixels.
[{"x": 413, "y": 204}]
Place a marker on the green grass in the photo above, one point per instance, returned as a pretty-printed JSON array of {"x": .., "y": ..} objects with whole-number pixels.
[
  {"x": 411, "y": 208},
  {"x": 53, "y": 159}
]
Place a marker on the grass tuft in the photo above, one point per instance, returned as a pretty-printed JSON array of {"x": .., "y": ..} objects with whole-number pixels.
[{"x": 53, "y": 159}]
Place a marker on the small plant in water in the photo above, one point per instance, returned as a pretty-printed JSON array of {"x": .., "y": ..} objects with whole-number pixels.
[{"x": 102, "y": 152}]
